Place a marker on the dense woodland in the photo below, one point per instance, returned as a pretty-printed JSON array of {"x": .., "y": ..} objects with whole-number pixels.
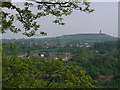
[{"x": 89, "y": 67}]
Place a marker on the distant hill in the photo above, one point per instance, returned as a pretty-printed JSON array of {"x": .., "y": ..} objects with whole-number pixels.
[
  {"x": 90, "y": 37},
  {"x": 73, "y": 38}
]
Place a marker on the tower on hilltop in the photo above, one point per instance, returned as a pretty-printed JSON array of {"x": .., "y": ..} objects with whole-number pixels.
[{"x": 100, "y": 32}]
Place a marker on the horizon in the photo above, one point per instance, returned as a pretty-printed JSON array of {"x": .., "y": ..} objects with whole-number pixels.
[{"x": 63, "y": 35}]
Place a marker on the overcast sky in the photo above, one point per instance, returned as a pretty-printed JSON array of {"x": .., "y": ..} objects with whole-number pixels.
[{"x": 105, "y": 18}]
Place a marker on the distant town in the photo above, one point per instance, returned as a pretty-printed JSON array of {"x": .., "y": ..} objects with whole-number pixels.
[{"x": 51, "y": 48}]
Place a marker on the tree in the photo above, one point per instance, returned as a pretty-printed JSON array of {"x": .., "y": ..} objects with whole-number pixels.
[
  {"x": 29, "y": 73},
  {"x": 28, "y": 19}
]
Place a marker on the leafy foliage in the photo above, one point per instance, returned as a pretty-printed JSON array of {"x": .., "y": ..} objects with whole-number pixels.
[
  {"x": 29, "y": 73},
  {"x": 28, "y": 18}
]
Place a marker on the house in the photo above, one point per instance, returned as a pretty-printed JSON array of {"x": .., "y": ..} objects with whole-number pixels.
[
  {"x": 56, "y": 56},
  {"x": 42, "y": 55},
  {"x": 35, "y": 55},
  {"x": 23, "y": 55}
]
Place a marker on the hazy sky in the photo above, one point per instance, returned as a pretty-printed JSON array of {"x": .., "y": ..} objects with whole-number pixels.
[{"x": 105, "y": 17}]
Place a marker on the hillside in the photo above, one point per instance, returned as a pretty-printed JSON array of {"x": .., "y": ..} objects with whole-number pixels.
[
  {"x": 73, "y": 38},
  {"x": 83, "y": 38}
]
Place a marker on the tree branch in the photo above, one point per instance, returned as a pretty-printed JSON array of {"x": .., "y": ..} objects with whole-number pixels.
[
  {"x": 18, "y": 10},
  {"x": 51, "y": 2}
]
